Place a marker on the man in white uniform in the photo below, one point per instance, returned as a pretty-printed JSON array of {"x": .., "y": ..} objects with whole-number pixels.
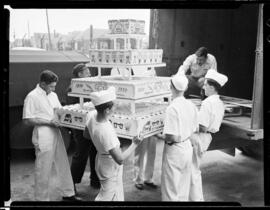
[
  {"x": 38, "y": 111},
  {"x": 198, "y": 64},
  {"x": 210, "y": 117},
  {"x": 145, "y": 153},
  {"x": 181, "y": 121},
  {"x": 109, "y": 158}
]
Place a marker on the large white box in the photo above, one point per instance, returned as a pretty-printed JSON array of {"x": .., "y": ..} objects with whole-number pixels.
[
  {"x": 136, "y": 88},
  {"x": 126, "y": 26},
  {"x": 114, "y": 57},
  {"x": 145, "y": 122}
]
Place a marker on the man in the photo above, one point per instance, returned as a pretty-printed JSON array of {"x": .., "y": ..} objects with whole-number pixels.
[
  {"x": 181, "y": 121},
  {"x": 84, "y": 146},
  {"x": 144, "y": 163},
  {"x": 198, "y": 64},
  {"x": 38, "y": 111},
  {"x": 210, "y": 117},
  {"x": 145, "y": 153}
]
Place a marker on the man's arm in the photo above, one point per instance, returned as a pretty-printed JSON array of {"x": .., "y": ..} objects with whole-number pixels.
[
  {"x": 185, "y": 66},
  {"x": 41, "y": 122},
  {"x": 214, "y": 63}
]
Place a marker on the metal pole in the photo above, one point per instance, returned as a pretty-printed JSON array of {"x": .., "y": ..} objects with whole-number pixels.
[
  {"x": 257, "y": 106},
  {"x": 91, "y": 36},
  {"x": 28, "y": 30},
  {"x": 49, "y": 33}
]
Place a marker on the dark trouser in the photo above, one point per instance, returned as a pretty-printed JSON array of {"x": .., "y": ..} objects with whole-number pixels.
[
  {"x": 194, "y": 87},
  {"x": 84, "y": 149}
]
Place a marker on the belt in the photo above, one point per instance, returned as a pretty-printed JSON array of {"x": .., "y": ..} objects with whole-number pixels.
[
  {"x": 170, "y": 144},
  {"x": 105, "y": 154}
]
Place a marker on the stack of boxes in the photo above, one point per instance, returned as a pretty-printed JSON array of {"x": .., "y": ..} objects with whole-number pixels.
[
  {"x": 137, "y": 111},
  {"x": 116, "y": 57}
]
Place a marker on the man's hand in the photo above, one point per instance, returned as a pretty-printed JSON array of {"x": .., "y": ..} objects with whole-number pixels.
[
  {"x": 55, "y": 123},
  {"x": 137, "y": 140},
  {"x": 201, "y": 81}
]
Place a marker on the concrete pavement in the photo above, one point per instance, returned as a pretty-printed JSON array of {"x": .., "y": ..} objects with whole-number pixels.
[{"x": 225, "y": 178}]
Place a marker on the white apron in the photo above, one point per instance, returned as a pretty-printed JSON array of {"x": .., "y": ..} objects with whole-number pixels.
[
  {"x": 110, "y": 175},
  {"x": 50, "y": 151},
  {"x": 200, "y": 142},
  {"x": 176, "y": 171}
]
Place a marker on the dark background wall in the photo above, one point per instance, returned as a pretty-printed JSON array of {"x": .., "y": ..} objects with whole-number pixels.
[{"x": 229, "y": 34}]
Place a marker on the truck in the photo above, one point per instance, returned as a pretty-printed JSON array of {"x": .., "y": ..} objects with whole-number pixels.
[{"x": 234, "y": 36}]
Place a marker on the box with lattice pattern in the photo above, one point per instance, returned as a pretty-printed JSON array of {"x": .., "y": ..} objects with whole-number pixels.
[
  {"x": 134, "y": 57},
  {"x": 146, "y": 122},
  {"x": 135, "y": 88},
  {"x": 126, "y": 26}
]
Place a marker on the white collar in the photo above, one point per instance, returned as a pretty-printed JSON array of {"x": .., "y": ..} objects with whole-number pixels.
[
  {"x": 214, "y": 96},
  {"x": 41, "y": 91},
  {"x": 179, "y": 98}
]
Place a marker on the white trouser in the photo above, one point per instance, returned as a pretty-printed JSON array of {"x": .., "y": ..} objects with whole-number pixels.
[
  {"x": 144, "y": 160},
  {"x": 176, "y": 171},
  {"x": 54, "y": 153},
  {"x": 110, "y": 175},
  {"x": 200, "y": 142}
]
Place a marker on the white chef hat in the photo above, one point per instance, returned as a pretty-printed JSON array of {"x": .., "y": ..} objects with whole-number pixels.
[
  {"x": 180, "y": 82},
  {"x": 103, "y": 96},
  {"x": 218, "y": 77}
]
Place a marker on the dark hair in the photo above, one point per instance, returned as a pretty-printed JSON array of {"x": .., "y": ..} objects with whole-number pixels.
[
  {"x": 78, "y": 68},
  {"x": 213, "y": 83},
  {"x": 202, "y": 51},
  {"x": 101, "y": 108},
  {"x": 48, "y": 77}
]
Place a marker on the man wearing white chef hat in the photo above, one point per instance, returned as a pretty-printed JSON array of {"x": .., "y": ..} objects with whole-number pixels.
[
  {"x": 210, "y": 117},
  {"x": 109, "y": 158},
  {"x": 181, "y": 121}
]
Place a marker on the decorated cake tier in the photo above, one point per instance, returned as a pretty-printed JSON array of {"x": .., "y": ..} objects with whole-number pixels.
[
  {"x": 107, "y": 56},
  {"x": 73, "y": 116},
  {"x": 135, "y": 88},
  {"x": 146, "y": 122},
  {"x": 126, "y": 26},
  {"x": 141, "y": 109}
]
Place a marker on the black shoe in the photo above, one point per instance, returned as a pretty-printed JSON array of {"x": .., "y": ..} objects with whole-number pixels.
[
  {"x": 139, "y": 186},
  {"x": 151, "y": 184},
  {"x": 71, "y": 198},
  {"x": 95, "y": 184}
]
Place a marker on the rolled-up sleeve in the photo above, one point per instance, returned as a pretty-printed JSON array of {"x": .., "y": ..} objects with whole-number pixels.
[
  {"x": 213, "y": 63},
  {"x": 204, "y": 114},
  {"x": 186, "y": 65},
  {"x": 171, "y": 124},
  {"x": 29, "y": 108}
]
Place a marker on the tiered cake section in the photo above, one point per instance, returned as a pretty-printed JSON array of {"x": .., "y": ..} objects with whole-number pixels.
[
  {"x": 119, "y": 57},
  {"x": 147, "y": 121},
  {"x": 139, "y": 108},
  {"x": 134, "y": 89}
]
